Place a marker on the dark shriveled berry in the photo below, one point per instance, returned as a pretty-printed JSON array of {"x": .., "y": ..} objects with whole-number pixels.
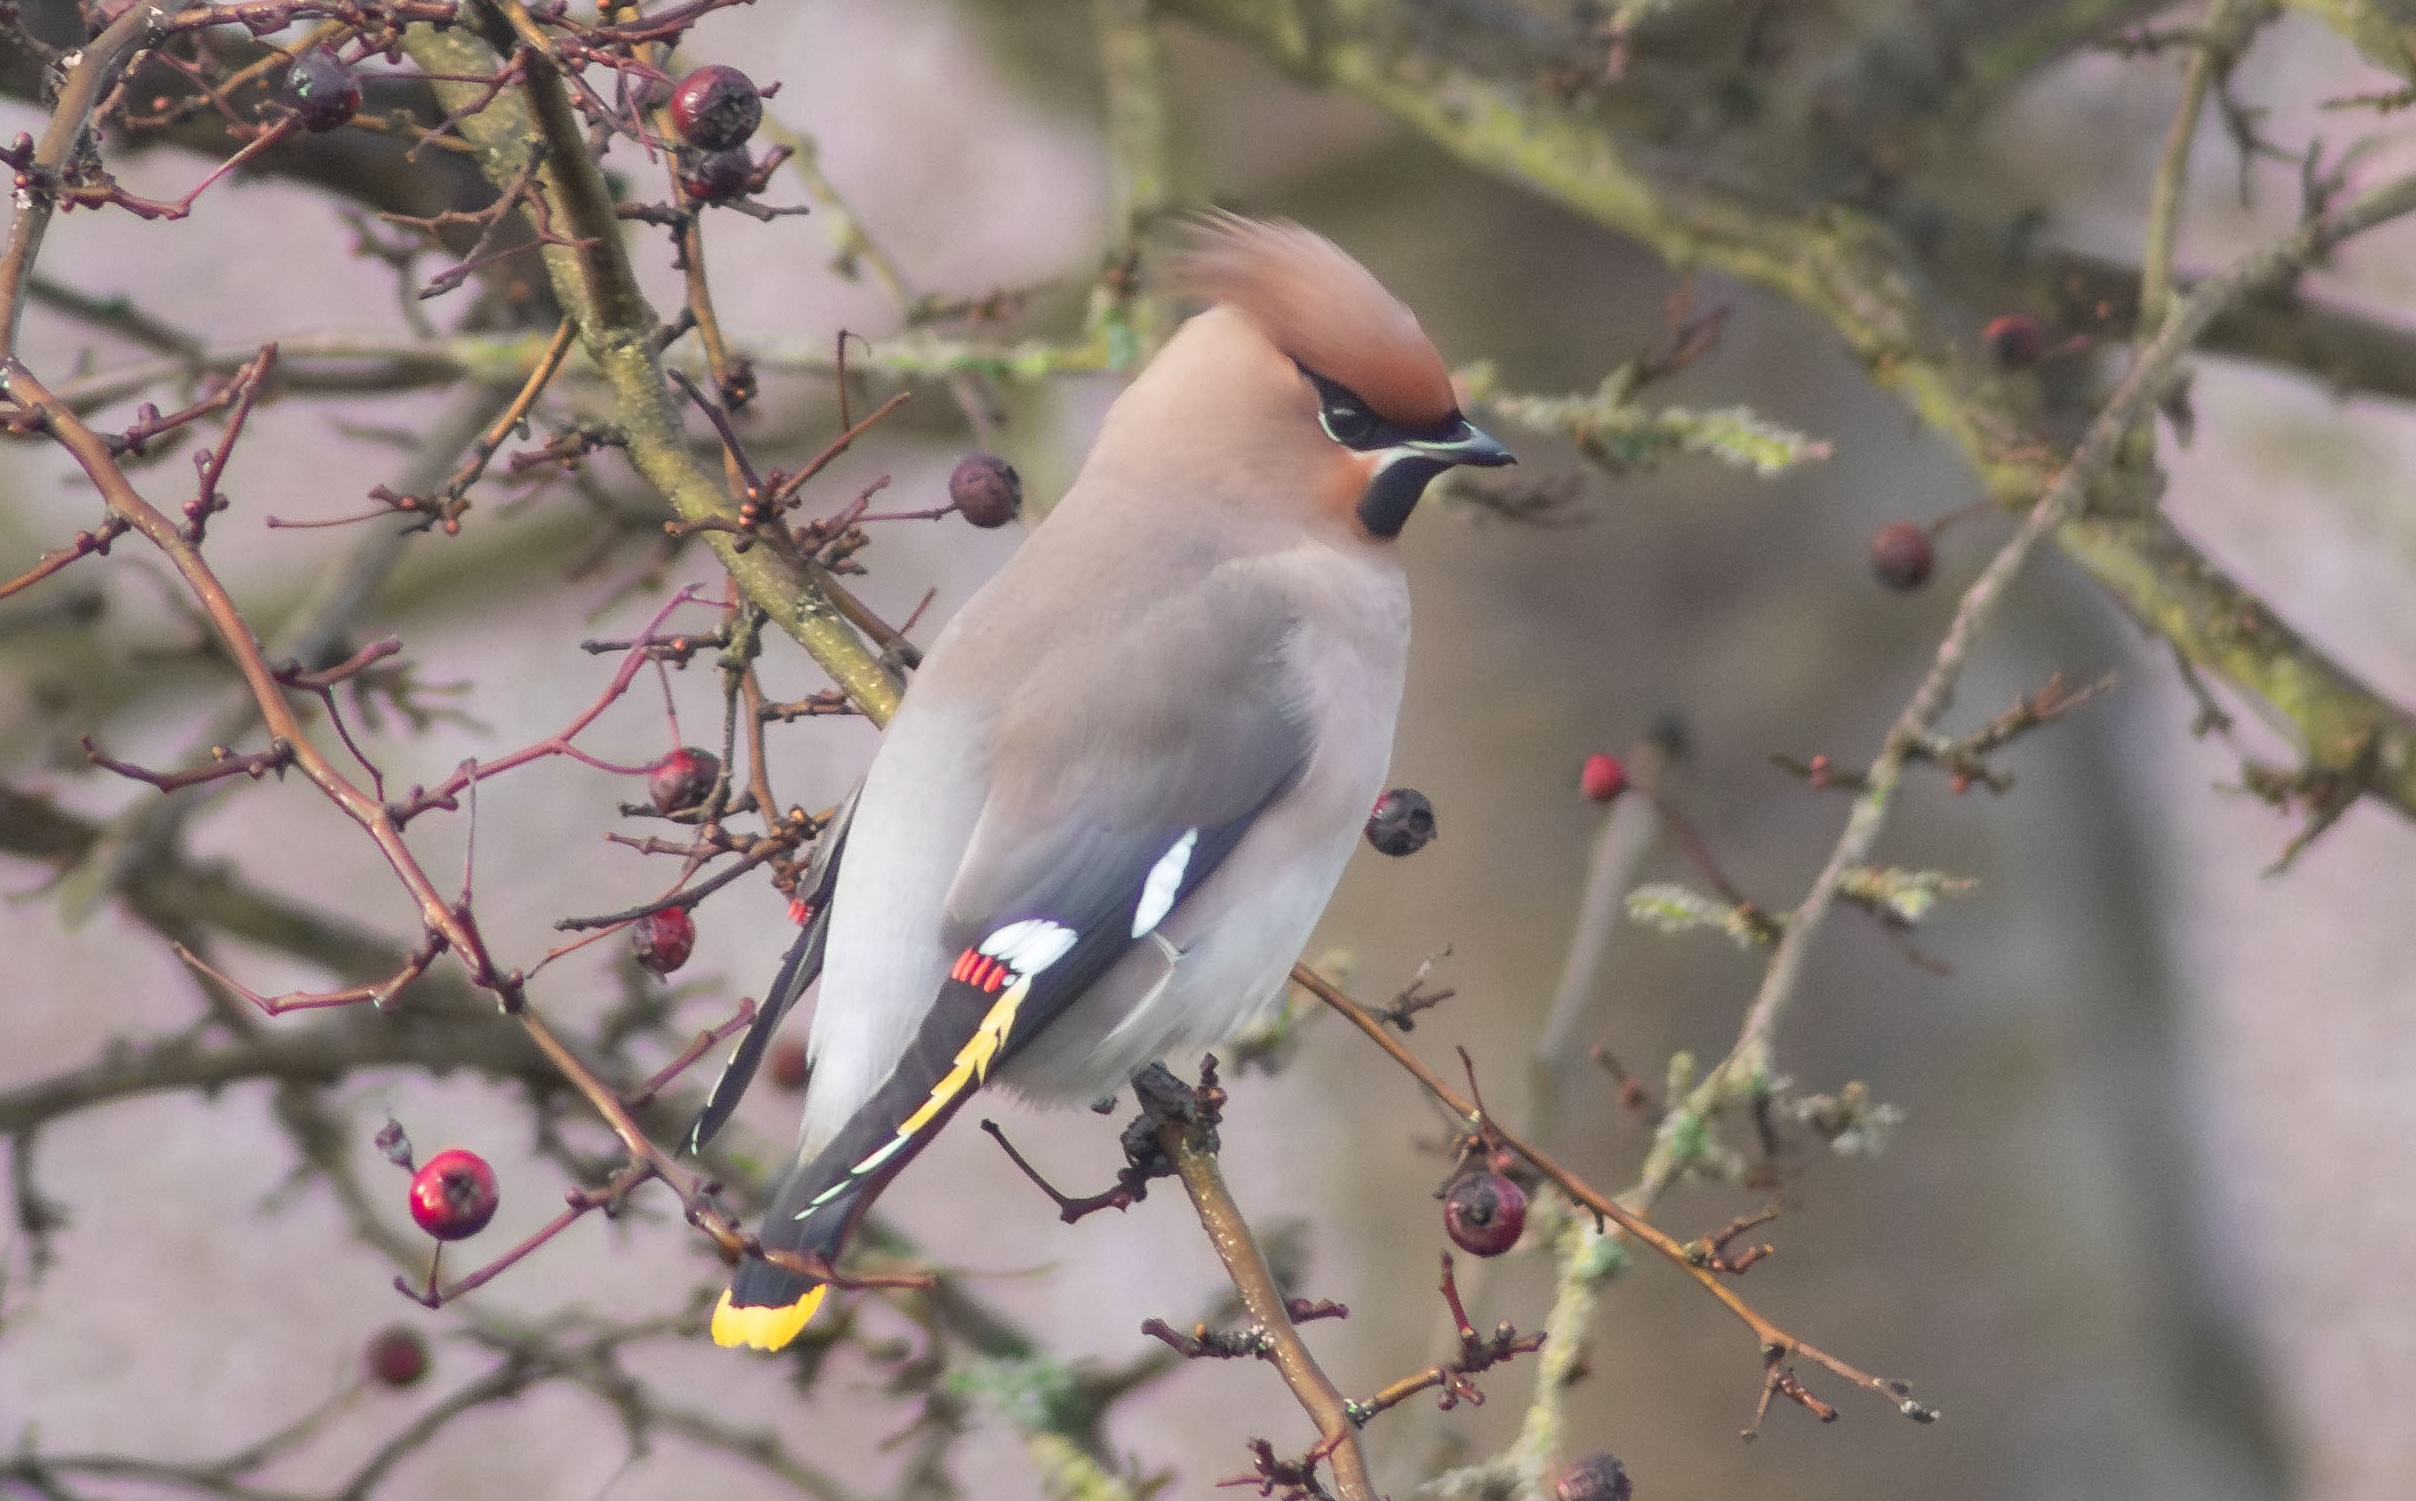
[
  {"x": 1597, "y": 1477},
  {"x": 2015, "y": 341},
  {"x": 1403, "y": 822},
  {"x": 1602, "y": 777},
  {"x": 986, "y": 490},
  {"x": 786, "y": 1066},
  {"x": 717, "y": 176},
  {"x": 321, "y": 91},
  {"x": 662, "y": 941},
  {"x": 392, "y": 1141},
  {"x": 1902, "y": 556},
  {"x": 716, "y": 107},
  {"x": 396, "y": 1356},
  {"x": 681, "y": 779},
  {"x": 454, "y": 1196},
  {"x": 1485, "y": 1213}
]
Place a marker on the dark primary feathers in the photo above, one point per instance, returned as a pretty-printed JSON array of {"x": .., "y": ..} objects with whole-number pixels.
[
  {"x": 1322, "y": 309},
  {"x": 798, "y": 972}
]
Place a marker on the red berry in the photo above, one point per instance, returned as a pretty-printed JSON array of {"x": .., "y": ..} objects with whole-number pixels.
[
  {"x": 396, "y": 1356},
  {"x": 682, "y": 778},
  {"x": 454, "y": 1196},
  {"x": 717, "y": 176},
  {"x": 1902, "y": 556},
  {"x": 1485, "y": 1213},
  {"x": 1603, "y": 777},
  {"x": 716, "y": 107},
  {"x": 2015, "y": 341},
  {"x": 787, "y": 1065},
  {"x": 321, "y": 91},
  {"x": 1403, "y": 822},
  {"x": 986, "y": 490},
  {"x": 1597, "y": 1477},
  {"x": 663, "y": 940}
]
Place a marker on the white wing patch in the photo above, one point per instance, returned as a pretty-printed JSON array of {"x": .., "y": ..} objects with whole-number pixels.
[
  {"x": 1030, "y": 946},
  {"x": 1165, "y": 880}
]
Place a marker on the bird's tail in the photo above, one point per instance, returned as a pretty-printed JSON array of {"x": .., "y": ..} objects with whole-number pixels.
[
  {"x": 815, "y": 1211},
  {"x": 765, "y": 1305}
]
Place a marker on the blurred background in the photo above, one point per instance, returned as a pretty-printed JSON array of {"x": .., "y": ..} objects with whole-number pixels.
[{"x": 2144, "y": 1230}]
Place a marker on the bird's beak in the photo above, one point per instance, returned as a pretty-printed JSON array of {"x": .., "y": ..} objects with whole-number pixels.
[{"x": 1467, "y": 444}]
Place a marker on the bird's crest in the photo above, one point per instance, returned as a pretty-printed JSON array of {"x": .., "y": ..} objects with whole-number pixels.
[{"x": 1322, "y": 309}]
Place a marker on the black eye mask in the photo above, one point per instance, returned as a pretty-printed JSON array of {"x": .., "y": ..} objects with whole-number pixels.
[{"x": 1412, "y": 456}]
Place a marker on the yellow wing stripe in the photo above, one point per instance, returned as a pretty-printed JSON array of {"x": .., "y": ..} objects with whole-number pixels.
[
  {"x": 973, "y": 1059},
  {"x": 971, "y": 1067},
  {"x": 763, "y": 1328}
]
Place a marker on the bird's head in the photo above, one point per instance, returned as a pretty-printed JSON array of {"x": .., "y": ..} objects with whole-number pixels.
[{"x": 1307, "y": 356}]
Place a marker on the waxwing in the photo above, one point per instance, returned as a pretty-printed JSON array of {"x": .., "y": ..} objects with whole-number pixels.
[{"x": 1124, "y": 782}]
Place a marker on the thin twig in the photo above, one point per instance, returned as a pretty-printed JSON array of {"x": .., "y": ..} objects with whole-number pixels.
[{"x": 1670, "y": 1249}]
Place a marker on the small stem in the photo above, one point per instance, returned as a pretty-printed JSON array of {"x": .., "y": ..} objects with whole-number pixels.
[{"x": 2228, "y": 25}]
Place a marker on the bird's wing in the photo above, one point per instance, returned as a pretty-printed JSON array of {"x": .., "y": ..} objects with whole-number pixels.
[
  {"x": 1105, "y": 813},
  {"x": 1106, "y": 810},
  {"x": 797, "y": 973}
]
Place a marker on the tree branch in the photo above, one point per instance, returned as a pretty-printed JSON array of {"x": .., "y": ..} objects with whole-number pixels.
[
  {"x": 593, "y": 281},
  {"x": 1859, "y": 275}
]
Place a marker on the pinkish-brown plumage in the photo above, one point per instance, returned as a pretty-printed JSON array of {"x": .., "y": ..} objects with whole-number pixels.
[{"x": 1321, "y": 308}]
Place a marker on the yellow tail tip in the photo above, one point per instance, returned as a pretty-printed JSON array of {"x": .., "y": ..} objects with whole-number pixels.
[{"x": 763, "y": 1328}]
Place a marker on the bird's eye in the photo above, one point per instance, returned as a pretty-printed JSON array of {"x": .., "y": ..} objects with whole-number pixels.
[{"x": 1347, "y": 422}]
